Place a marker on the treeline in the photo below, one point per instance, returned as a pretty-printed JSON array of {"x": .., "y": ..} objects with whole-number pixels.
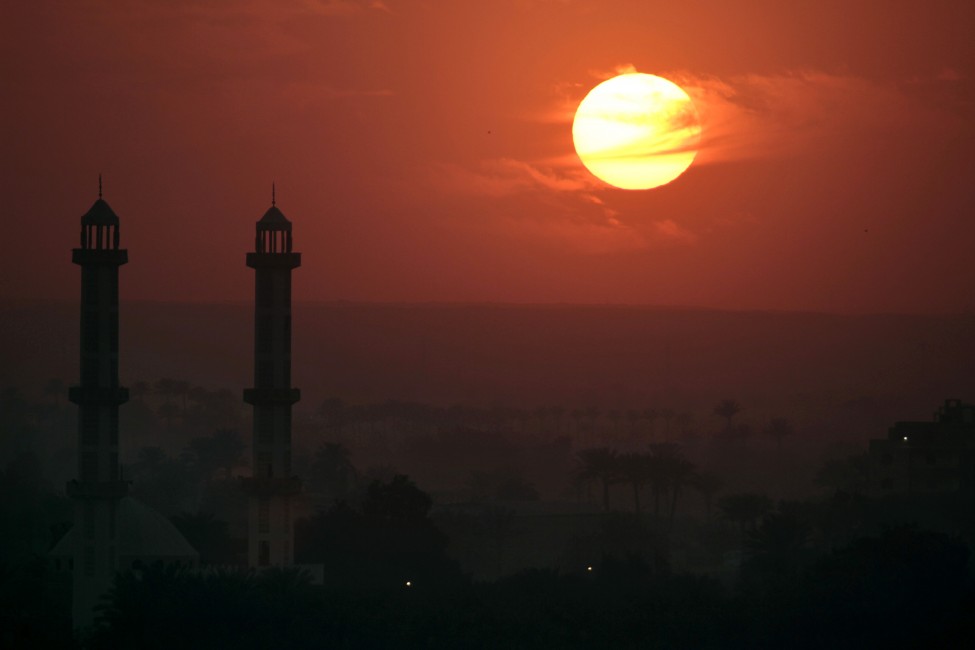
[
  {"x": 587, "y": 423},
  {"x": 390, "y": 583}
]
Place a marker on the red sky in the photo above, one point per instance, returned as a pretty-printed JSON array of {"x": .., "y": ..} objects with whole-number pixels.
[{"x": 423, "y": 149}]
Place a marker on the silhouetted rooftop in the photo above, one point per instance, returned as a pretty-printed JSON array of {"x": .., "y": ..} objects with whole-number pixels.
[
  {"x": 143, "y": 534},
  {"x": 274, "y": 219},
  {"x": 100, "y": 214}
]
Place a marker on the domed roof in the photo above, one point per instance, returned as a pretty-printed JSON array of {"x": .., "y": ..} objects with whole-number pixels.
[
  {"x": 274, "y": 219},
  {"x": 100, "y": 214},
  {"x": 143, "y": 534}
]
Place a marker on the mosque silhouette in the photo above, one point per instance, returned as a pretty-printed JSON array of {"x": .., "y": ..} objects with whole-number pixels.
[{"x": 113, "y": 531}]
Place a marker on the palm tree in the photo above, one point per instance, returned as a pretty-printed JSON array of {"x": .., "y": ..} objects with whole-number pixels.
[
  {"x": 168, "y": 411},
  {"x": 668, "y": 415},
  {"x": 334, "y": 413},
  {"x": 592, "y": 414},
  {"x": 707, "y": 485},
  {"x": 333, "y": 470},
  {"x": 632, "y": 418},
  {"x": 151, "y": 458},
  {"x": 778, "y": 546},
  {"x": 650, "y": 415},
  {"x": 672, "y": 472},
  {"x": 229, "y": 445},
  {"x": 684, "y": 422},
  {"x": 599, "y": 464},
  {"x": 223, "y": 450},
  {"x": 165, "y": 387},
  {"x": 727, "y": 409},
  {"x": 558, "y": 412},
  {"x": 745, "y": 509},
  {"x": 139, "y": 390},
  {"x": 181, "y": 389},
  {"x": 777, "y": 429},
  {"x": 579, "y": 417},
  {"x": 637, "y": 469},
  {"x": 679, "y": 471}
]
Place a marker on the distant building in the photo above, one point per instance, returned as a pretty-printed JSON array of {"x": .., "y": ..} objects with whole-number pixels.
[
  {"x": 272, "y": 489},
  {"x": 112, "y": 531},
  {"x": 926, "y": 457}
]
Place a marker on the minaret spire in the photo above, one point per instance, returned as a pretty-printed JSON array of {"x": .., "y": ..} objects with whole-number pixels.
[
  {"x": 273, "y": 198},
  {"x": 99, "y": 185}
]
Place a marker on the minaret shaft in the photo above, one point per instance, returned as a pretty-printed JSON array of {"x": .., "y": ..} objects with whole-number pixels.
[
  {"x": 99, "y": 485},
  {"x": 273, "y": 487}
]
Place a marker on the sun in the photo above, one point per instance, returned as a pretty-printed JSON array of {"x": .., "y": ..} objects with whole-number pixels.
[{"x": 636, "y": 131}]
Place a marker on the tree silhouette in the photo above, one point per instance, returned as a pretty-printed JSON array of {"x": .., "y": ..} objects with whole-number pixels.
[
  {"x": 778, "y": 547},
  {"x": 638, "y": 470},
  {"x": 140, "y": 390},
  {"x": 399, "y": 499},
  {"x": 168, "y": 411},
  {"x": 777, "y": 429},
  {"x": 707, "y": 485},
  {"x": 334, "y": 414},
  {"x": 727, "y": 409},
  {"x": 650, "y": 415},
  {"x": 670, "y": 473},
  {"x": 668, "y": 416},
  {"x": 592, "y": 415},
  {"x": 745, "y": 509},
  {"x": 223, "y": 450},
  {"x": 332, "y": 470},
  {"x": 598, "y": 464},
  {"x": 848, "y": 475},
  {"x": 558, "y": 412}
]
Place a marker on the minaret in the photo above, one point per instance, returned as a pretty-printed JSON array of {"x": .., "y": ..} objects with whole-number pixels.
[
  {"x": 272, "y": 488},
  {"x": 99, "y": 487}
]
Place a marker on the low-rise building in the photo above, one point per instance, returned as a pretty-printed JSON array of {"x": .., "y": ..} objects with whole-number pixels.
[{"x": 933, "y": 456}]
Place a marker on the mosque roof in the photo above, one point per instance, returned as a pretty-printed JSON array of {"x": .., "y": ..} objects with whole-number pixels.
[{"x": 143, "y": 534}]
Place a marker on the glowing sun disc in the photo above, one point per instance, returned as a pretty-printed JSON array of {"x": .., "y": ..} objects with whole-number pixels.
[{"x": 636, "y": 131}]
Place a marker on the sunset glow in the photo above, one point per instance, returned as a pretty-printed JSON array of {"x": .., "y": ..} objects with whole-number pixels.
[{"x": 636, "y": 131}]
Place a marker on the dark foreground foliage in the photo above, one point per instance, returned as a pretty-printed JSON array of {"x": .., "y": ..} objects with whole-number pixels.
[{"x": 903, "y": 589}]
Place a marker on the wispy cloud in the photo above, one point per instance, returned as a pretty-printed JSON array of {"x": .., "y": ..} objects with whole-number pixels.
[
  {"x": 561, "y": 207},
  {"x": 743, "y": 118}
]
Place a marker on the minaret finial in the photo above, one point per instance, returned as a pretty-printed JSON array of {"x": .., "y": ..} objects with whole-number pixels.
[
  {"x": 273, "y": 198},
  {"x": 99, "y": 185}
]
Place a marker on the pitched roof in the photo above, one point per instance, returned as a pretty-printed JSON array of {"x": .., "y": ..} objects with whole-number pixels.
[{"x": 100, "y": 214}]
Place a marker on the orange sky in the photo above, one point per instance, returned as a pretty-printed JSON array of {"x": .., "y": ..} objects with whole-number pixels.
[{"x": 423, "y": 150}]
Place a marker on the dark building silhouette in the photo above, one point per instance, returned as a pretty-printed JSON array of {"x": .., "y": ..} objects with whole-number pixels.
[
  {"x": 104, "y": 516},
  {"x": 934, "y": 456},
  {"x": 272, "y": 488},
  {"x": 98, "y": 488}
]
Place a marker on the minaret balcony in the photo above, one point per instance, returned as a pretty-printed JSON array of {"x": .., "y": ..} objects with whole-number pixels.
[
  {"x": 271, "y": 486},
  {"x": 97, "y": 395},
  {"x": 274, "y": 260},
  {"x": 99, "y": 256},
  {"x": 271, "y": 395},
  {"x": 97, "y": 490}
]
